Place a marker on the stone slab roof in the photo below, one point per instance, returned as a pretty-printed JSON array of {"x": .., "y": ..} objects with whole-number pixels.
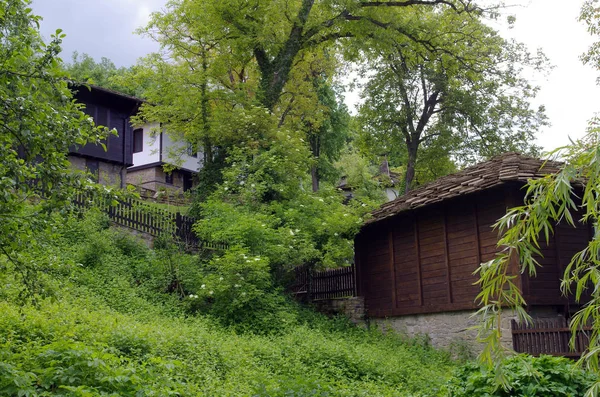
[{"x": 500, "y": 169}]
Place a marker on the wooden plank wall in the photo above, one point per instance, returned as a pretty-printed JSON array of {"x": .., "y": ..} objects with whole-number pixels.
[
  {"x": 423, "y": 261},
  {"x": 544, "y": 288}
]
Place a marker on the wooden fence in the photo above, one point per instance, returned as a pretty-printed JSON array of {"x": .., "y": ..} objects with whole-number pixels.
[
  {"x": 313, "y": 285},
  {"x": 149, "y": 219},
  {"x": 549, "y": 337}
]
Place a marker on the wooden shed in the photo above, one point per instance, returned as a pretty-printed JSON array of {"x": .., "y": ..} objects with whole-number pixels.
[{"x": 418, "y": 253}]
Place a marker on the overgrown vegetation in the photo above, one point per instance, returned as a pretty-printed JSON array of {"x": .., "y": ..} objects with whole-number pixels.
[
  {"x": 121, "y": 319},
  {"x": 526, "y": 376}
]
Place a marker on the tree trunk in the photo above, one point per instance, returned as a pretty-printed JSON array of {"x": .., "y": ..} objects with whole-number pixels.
[
  {"x": 275, "y": 73},
  {"x": 315, "y": 178},
  {"x": 412, "y": 146},
  {"x": 205, "y": 110}
]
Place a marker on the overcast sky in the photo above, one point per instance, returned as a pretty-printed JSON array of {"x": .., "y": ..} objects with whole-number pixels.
[{"x": 104, "y": 28}]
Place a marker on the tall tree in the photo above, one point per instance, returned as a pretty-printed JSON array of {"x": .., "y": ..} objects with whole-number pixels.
[
  {"x": 274, "y": 33},
  {"x": 39, "y": 123},
  {"x": 475, "y": 105}
]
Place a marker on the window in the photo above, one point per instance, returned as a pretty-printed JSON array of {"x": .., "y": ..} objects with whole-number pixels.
[
  {"x": 138, "y": 140},
  {"x": 169, "y": 179}
]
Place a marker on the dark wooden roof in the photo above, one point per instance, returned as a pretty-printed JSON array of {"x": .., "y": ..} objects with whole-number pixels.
[{"x": 500, "y": 169}]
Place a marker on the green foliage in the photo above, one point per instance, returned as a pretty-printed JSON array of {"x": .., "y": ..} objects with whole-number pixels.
[
  {"x": 112, "y": 330},
  {"x": 266, "y": 206},
  {"x": 466, "y": 107},
  {"x": 85, "y": 70},
  {"x": 525, "y": 376},
  {"x": 39, "y": 124}
]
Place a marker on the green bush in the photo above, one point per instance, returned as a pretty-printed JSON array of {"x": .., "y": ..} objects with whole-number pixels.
[{"x": 525, "y": 376}]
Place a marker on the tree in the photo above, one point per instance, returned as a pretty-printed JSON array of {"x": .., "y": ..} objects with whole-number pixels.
[
  {"x": 548, "y": 201},
  {"x": 272, "y": 34},
  {"x": 471, "y": 106},
  {"x": 39, "y": 123},
  {"x": 84, "y": 69}
]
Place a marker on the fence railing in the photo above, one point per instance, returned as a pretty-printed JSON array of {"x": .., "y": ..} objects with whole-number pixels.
[
  {"x": 549, "y": 337},
  {"x": 313, "y": 285},
  {"x": 148, "y": 219}
]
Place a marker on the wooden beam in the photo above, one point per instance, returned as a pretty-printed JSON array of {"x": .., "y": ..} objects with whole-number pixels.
[
  {"x": 447, "y": 255},
  {"x": 476, "y": 227},
  {"x": 418, "y": 255},
  {"x": 392, "y": 264}
]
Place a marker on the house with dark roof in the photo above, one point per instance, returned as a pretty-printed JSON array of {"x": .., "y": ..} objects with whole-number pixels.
[
  {"x": 113, "y": 110},
  {"x": 416, "y": 256},
  {"x": 135, "y": 155}
]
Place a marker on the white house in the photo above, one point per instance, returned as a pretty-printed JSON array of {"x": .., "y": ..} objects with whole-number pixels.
[{"x": 153, "y": 149}]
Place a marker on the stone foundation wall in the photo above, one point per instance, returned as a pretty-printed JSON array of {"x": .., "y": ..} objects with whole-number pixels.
[
  {"x": 448, "y": 329},
  {"x": 155, "y": 179},
  {"x": 145, "y": 178},
  {"x": 108, "y": 173},
  {"x": 353, "y": 308}
]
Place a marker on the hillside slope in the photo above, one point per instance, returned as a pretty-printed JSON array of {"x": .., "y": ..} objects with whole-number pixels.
[{"x": 110, "y": 320}]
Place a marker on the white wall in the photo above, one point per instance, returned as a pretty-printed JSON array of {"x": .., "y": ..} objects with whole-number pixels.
[
  {"x": 150, "y": 153},
  {"x": 175, "y": 153},
  {"x": 172, "y": 152}
]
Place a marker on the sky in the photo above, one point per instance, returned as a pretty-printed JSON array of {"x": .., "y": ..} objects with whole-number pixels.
[{"x": 105, "y": 28}]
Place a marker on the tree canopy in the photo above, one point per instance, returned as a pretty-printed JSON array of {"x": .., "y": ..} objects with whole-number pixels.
[
  {"x": 469, "y": 105},
  {"x": 39, "y": 123}
]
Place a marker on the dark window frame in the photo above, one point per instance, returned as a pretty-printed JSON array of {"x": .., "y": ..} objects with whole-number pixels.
[
  {"x": 138, "y": 140},
  {"x": 169, "y": 178}
]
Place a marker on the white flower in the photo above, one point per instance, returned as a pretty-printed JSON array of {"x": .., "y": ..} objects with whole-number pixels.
[
  {"x": 253, "y": 185},
  {"x": 321, "y": 200},
  {"x": 346, "y": 214},
  {"x": 291, "y": 232},
  {"x": 297, "y": 230},
  {"x": 220, "y": 278},
  {"x": 256, "y": 259},
  {"x": 242, "y": 183},
  {"x": 210, "y": 292},
  {"x": 263, "y": 225},
  {"x": 243, "y": 294},
  {"x": 236, "y": 286},
  {"x": 291, "y": 247},
  {"x": 226, "y": 188},
  {"x": 203, "y": 286},
  {"x": 335, "y": 234},
  {"x": 324, "y": 223},
  {"x": 191, "y": 296},
  {"x": 248, "y": 261},
  {"x": 364, "y": 205}
]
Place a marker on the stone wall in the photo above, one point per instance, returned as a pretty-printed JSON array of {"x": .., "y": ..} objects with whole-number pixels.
[
  {"x": 448, "y": 329},
  {"x": 353, "y": 308},
  {"x": 108, "y": 173},
  {"x": 154, "y": 178}
]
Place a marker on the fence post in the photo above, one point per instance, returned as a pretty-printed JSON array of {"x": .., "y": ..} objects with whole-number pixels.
[
  {"x": 309, "y": 282},
  {"x": 178, "y": 227}
]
